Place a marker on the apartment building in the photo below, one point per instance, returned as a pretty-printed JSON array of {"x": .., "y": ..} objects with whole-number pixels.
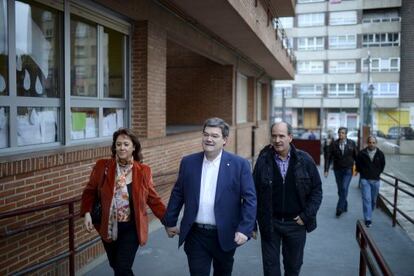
[{"x": 346, "y": 50}]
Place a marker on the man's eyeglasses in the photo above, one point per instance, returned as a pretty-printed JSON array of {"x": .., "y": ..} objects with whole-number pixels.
[{"x": 214, "y": 135}]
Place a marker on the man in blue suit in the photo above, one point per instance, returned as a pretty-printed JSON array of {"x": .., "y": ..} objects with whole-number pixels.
[{"x": 217, "y": 190}]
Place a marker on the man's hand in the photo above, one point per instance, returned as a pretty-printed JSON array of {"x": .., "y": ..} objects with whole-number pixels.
[
  {"x": 325, "y": 174},
  {"x": 240, "y": 238},
  {"x": 172, "y": 231},
  {"x": 87, "y": 222},
  {"x": 254, "y": 235},
  {"x": 299, "y": 220}
]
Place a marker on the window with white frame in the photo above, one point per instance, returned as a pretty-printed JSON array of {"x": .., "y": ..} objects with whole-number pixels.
[
  {"x": 311, "y": 43},
  {"x": 342, "y": 66},
  {"x": 285, "y": 89},
  {"x": 391, "y": 64},
  {"x": 381, "y": 40},
  {"x": 241, "y": 101},
  {"x": 310, "y": 67},
  {"x": 286, "y": 22},
  {"x": 383, "y": 89},
  {"x": 342, "y": 42},
  {"x": 343, "y": 18},
  {"x": 341, "y": 90},
  {"x": 311, "y": 19},
  {"x": 32, "y": 110},
  {"x": 381, "y": 16},
  {"x": 309, "y": 90}
]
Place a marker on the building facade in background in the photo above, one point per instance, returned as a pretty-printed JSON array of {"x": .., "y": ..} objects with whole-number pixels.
[
  {"x": 346, "y": 50},
  {"x": 72, "y": 72}
]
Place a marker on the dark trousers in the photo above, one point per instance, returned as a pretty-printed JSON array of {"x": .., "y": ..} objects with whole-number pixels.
[
  {"x": 343, "y": 178},
  {"x": 202, "y": 247},
  {"x": 292, "y": 237},
  {"x": 121, "y": 253}
]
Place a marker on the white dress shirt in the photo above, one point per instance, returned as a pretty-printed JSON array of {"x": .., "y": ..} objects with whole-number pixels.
[{"x": 208, "y": 185}]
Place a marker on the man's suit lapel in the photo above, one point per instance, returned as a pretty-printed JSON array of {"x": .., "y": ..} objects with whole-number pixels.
[{"x": 223, "y": 175}]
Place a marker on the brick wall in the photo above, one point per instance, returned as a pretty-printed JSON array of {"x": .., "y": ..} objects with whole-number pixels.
[
  {"x": 197, "y": 88},
  {"x": 148, "y": 79}
]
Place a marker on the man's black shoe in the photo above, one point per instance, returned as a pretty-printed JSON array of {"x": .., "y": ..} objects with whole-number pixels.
[
  {"x": 368, "y": 223},
  {"x": 338, "y": 213}
]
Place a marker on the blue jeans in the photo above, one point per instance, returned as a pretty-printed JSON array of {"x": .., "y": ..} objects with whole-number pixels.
[
  {"x": 343, "y": 179},
  {"x": 369, "y": 193}
]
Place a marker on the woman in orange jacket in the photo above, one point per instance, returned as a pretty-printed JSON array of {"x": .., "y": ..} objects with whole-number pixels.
[{"x": 125, "y": 192}]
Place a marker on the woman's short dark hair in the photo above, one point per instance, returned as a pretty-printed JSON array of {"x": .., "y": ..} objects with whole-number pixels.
[
  {"x": 218, "y": 122},
  {"x": 126, "y": 131}
]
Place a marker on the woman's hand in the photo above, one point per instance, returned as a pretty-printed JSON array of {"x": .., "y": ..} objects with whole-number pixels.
[{"x": 88, "y": 222}]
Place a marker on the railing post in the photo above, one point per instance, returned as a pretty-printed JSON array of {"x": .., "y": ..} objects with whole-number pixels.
[
  {"x": 394, "y": 211},
  {"x": 71, "y": 239},
  {"x": 362, "y": 264}
]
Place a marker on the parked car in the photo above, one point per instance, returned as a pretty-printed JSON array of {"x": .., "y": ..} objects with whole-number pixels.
[
  {"x": 379, "y": 134},
  {"x": 400, "y": 132},
  {"x": 353, "y": 135}
]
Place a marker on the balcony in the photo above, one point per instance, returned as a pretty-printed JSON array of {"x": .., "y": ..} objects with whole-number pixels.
[{"x": 246, "y": 27}]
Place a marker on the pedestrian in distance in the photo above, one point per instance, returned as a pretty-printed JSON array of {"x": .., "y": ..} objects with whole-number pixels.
[
  {"x": 125, "y": 192},
  {"x": 325, "y": 148},
  {"x": 217, "y": 190},
  {"x": 289, "y": 194},
  {"x": 342, "y": 153},
  {"x": 370, "y": 163},
  {"x": 312, "y": 136}
]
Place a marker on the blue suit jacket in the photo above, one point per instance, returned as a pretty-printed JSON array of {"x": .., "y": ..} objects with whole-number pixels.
[{"x": 235, "y": 201}]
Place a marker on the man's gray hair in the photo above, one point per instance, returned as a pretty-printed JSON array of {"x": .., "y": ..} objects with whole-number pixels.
[
  {"x": 289, "y": 126},
  {"x": 218, "y": 122}
]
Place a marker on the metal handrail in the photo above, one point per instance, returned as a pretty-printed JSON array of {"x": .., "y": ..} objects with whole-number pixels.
[
  {"x": 70, "y": 217},
  {"x": 70, "y": 203},
  {"x": 369, "y": 249},
  {"x": 394, "y": 204}
]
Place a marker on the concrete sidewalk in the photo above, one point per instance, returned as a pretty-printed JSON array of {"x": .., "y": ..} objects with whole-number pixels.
[{"x": 330, "y": 250}]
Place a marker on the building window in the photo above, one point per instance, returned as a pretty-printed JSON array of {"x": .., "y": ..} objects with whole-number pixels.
[
  {"x": 341, "y": 90},
  {"x": 343, "y": 18},
  {"x": 311, "y": 43},
  {"x": 342, "y": 42},
  {"x": 33, "y": 111},
  {"x": 309, "y": 90},
  {"x": 383, "y": 89},
  {"x": 342, "y": 66},
  {"x": 259, "y": 101},
  {"x": 311, "y": 19},
  {"x": 286, "y": 22},
  {"x": 241, "y": 99},
  {"x": 310, "y": 67},
  {"x": 381, "y": 65},
  {"x": 381, "y": 40},
  {"x": 4, "y": 127},
  {"x": 377, "y": 16},
  {"x": 284, "y": 89}
]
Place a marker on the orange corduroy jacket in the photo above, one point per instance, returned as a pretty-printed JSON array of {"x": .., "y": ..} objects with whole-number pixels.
[{"x": 143, "y": 194}]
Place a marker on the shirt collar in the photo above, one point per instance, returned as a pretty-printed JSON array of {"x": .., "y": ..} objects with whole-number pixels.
[
  {"x": 277, "y": 156},
  {"x": 216, "y": 160}
]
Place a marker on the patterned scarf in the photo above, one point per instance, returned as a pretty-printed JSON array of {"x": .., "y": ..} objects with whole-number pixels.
[{"x": 120, "y": 210}]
